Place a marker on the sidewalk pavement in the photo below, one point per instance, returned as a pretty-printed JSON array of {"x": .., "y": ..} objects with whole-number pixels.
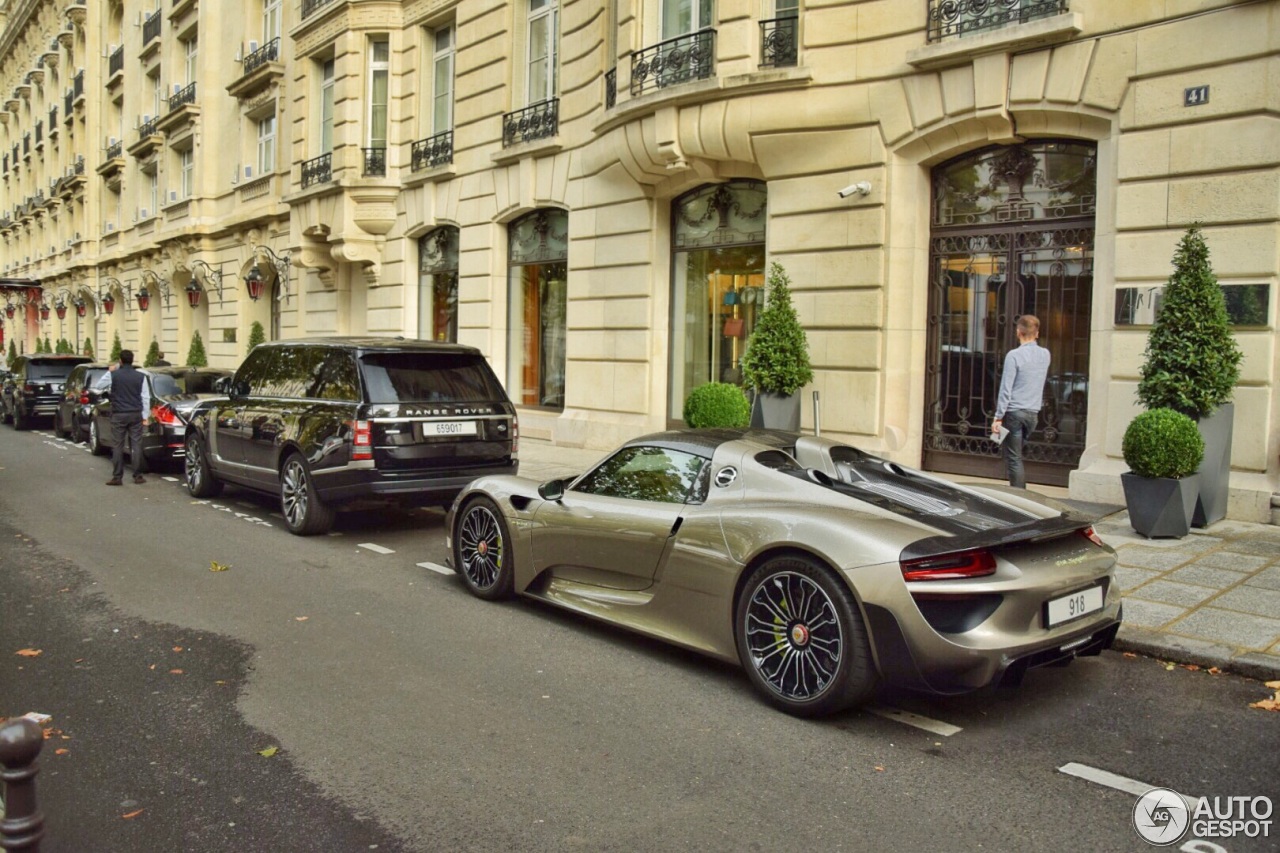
[{"x": 1211, "y": 598}]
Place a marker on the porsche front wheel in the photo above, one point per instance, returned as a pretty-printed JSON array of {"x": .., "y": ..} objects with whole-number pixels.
[
  {"x": 801, "y": 638},
  {"x": 482, "y": 550}
]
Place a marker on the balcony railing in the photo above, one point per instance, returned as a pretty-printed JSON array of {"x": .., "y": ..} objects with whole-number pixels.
[
  {"x": 778, "y": 42},
  {"x": 79, "y": 166},
  {"x": 310, "y": 6},
  {"x": 68, "y": 101},
  {"x": 148, "y": 128},
  {"x": 77, "y": 85},
  {"x": 318, "y": 170},
  {"x": 53, "y": 117},
  {"x": 676, "y": 60},
  {"x": 375, "y": 162},
  {"x": 269, "y": 52},
  {"x": 115, "y": 151},
  {"x": 610, "y": 88},
  {"x": 537, "y": 121},
  {"x": 39, "y": 132},
  {"x": 115, "y": 64},
  {"x": 431, "y": 152},
  {"x": 151, "y": 27},
  {"x": 957, "y": 18},
  {"x": 184, "y": 96}
]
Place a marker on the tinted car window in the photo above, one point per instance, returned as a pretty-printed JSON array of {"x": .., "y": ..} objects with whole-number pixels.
[
  {"x": 49, "y": 370},
  {"x": 295, "y": 371},
  {"x": 646, "y": 474},
  {"x": 164, "y": 385},
  {"x": 395, "y": 377},
  {"x": 199, "y": 383},
  {"x": 254, "y": 370},
  {"x": 338, "y": 379}
]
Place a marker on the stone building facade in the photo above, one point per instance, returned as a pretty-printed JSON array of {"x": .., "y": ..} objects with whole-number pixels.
[{"x": 590, "y": 191}]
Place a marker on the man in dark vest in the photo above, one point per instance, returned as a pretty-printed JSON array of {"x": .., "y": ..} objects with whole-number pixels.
[{"x": 130, "y": 414}]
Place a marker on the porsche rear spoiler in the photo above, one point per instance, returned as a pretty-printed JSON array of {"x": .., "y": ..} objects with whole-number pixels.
[{"x": 1040, "y": 530}]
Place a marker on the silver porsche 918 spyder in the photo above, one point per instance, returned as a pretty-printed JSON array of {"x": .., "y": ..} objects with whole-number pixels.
[{"x": 818, "y": 567}]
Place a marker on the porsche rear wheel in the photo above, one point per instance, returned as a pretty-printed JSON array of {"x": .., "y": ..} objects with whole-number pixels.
[
  {"x": 482, "y": 550},
  {"x": 801, "y": 638}
]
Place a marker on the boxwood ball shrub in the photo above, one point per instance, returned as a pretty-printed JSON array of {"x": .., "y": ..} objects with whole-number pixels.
[
  {"x": 717, "y": 404},
  {"x": 1163, "y": 443}
]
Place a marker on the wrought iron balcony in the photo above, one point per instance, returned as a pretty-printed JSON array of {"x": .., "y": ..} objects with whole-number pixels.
[
  {"x": 67, "y": 103},
  {"x": 778, "y": 42},
  {"x": 79, "y": 166},
  {"x": 115, "y": 151},
  {"x": 53, "y": 118},
  {"x": 39, "y": 132},
  {"x": 310, "y": 6},
  {"x": 375, "y": 162},
  {"x": 676, "y": 60},
  {"x": 78, "y": 84},
  {"x": 537, "y": 121},
  {"x": 151, "y": 27},
  {"x": 950, "y": 19},
  {"x": 115, "y": 64},
  {"x": 431, "y": 152},
  {"x": 610, "y": 88},
  {"x": 148, "y": 128},
  {"x": 269, "y": 52},
  {"x": 318, "y": 170},
  {"x": 184, "y": 96}
]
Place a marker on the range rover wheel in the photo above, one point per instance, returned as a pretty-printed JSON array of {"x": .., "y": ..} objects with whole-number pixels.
[
  {"x": 200, "y": 481},
  {"x": 304, "y": 513},
  {"x": 482, "y": 550},
  {"x": 801, "y": 638},
  {"x": 57, "y": 427},
  {"x": 96, "y": 446}
]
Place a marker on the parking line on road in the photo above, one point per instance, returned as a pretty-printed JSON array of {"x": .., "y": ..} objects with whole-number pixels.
[
  {"x": 898, "y": 715},
  {"x": 171, "y": 479},
  {"x": 436, "y": 567},
  {"x": 377, "y": 549}
]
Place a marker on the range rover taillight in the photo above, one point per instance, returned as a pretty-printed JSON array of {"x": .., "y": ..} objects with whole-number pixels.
[
  {"x": 949, "y": 567},
  {"x": 84, "y": 398},
  {"x": 515, "y": 436},
  {"x": 361, "y": 440}
]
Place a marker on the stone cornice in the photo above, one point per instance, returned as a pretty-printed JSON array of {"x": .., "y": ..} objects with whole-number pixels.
[{"x": 17, "y": 22}]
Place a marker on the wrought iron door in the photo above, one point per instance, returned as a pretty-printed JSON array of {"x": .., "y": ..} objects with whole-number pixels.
[{"x": 1013, "y": 231}]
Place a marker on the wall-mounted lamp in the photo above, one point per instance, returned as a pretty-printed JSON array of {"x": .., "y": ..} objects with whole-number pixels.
[
  {"x": 81, "y": 308},
  {"x": 144, "y": 298},
  {"x": 61, "y": 308},
  {"x": 161, "y": 286},
  {"x": 253, "y": 281},
  {"x": 202, "y": 270},
  {"x": 108, "y": 299},
  {"x": 44, "y": 311}
]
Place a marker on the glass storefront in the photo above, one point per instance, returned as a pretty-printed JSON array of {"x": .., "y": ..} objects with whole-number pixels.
[
  {"x": 538, "y": 254},
  {"x": 438, "y": 285}
]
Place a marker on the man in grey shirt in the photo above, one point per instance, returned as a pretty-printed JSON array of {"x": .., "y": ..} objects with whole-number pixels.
[{"x": 1021, "y": 391}]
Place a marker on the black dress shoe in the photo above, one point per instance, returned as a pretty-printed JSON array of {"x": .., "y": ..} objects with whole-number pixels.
[{"x": 114, "y": 481}]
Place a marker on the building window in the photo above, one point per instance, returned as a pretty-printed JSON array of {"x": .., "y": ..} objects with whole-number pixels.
[
  {"x": 267, "y": 145},
  {"x": 538, "y": 252},
  {"x": 270, "y": 20},
  {"x": 681, "y": 17},
  {"x": 541, "y": 69},
  {"x": 157, "y": 94},
  {"x": 191, "y": 49},
  {"x": 326, "y": 106},
  {"x": 717, "y": 283},
  {"x": 186, "y": 173},
  {"x": 379, "y": 56},
  {"x": 438, "y": 285},
  {"x": 442, "y": 81}
]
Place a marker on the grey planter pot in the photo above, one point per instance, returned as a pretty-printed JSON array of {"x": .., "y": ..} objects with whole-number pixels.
[
  {"x": 1159, "y": 506},
  {"x": 1215, "y": 470},
  {"x": 776, "y": 411}
]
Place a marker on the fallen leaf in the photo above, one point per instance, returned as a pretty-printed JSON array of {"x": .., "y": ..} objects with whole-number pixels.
[
  {"x": 1191, "y": 667},
  {"x": 175, "y": 672},
  {"x": 1213, "y": 670},
  {"x": 153, "y": 666},
  {"x": 879, "y": 768},
  {"x": 65, "y": 589},
  {"x": 132, "y": 815},
  {"x": 1274, "y": 685},
  {"x": 62, "y": 751},
  {"x": 1171, "y": 666},
  {"x": 177, "y": 648},
  {"x": 215, "y": 566},
  {"x": 28, "y": 653},
  {"x": 269, "y": 751},
  {"x": 1266, "y": 705},
  {"x": 301, "y": 618},
  {"x": 1130, "y": 655}
]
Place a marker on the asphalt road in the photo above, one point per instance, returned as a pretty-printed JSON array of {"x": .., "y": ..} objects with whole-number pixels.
[{"x": 409, "y": 715}]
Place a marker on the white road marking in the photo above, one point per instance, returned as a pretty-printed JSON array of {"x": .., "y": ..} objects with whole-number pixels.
[
  {"x": 436, "y": 567},
  {"x": 377, "y": 549},
  {"x": 1116, "y": 781},
  {"x": 171, "y": 479},
  {"x": 898, "y": 715}
]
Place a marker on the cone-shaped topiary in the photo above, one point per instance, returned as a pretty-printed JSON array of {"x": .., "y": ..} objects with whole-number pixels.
[
  {"x": 153, "y": 354},
  {"x": 777, "y": 356},
  {"x": 1192, "y": 359},
  {"x": 717, "y": 404},
  {"x": 256, "y": 335},
  {"x": 13, "y": 353},
  {"x": 1162, "y": 443},
  {"x": 88, "y": 348},
  {"x": 196, "y": 356},
  {"x": 116, "y": 347},
  {"x": 48, "y": 346}
]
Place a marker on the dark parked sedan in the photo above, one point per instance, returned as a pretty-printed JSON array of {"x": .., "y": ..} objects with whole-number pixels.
[
  {"x": 174, "y": 393},
  {"x": 35, "y": 387},
  {"x": 75, "y": 410}
]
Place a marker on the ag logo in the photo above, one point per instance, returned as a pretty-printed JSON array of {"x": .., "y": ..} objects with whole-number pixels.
[{"x": 1161, "y": 816}]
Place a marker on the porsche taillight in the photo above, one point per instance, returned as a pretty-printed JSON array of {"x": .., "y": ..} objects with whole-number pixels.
[
  {"x": 949, "y": 567},
  {"x": 515, "y": 436},
  {"x": 1092, "y": 535},
  {"x": 361, "y": 440},
  {"x": 165, "y": 414}
]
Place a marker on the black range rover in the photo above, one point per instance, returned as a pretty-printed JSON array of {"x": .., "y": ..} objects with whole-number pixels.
[
  {"x": 335, "y": 420},
  {"x": 34, "y": 389}
]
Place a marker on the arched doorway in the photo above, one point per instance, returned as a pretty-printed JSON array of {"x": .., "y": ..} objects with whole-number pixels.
[
  {"x": 438, "y": 285},
  {"x": 538, "y": 263},
  {"x": 1012, "y": 232},
  {"x": 717, "y": 284}
]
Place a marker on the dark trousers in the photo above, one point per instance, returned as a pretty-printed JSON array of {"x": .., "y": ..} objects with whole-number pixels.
[
  {"x": 1020, "y": 423},
  {"x": 126, "y": 424}
]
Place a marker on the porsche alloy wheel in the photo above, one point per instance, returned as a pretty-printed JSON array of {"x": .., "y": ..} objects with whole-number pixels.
[
  {"x": 802, "y": 640},
  {"x": 482, "y": 550}
]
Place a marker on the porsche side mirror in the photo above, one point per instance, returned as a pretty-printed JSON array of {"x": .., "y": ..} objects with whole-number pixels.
[{"x": 552, "y": 490}]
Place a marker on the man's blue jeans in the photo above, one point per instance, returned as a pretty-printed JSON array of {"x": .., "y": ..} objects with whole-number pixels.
[{"x": 1020, "y": 423}]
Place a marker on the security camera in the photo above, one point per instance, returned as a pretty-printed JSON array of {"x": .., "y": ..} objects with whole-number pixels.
[{"x": 861, "y": 188}]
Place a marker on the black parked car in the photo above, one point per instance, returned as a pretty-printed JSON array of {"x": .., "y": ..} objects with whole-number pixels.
[
  {"x": 330, "y": 421},
  {"x": 175, "y": 391},
  {"x": 75, "y": 409},
  {"x": 35, "y": 388}
]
